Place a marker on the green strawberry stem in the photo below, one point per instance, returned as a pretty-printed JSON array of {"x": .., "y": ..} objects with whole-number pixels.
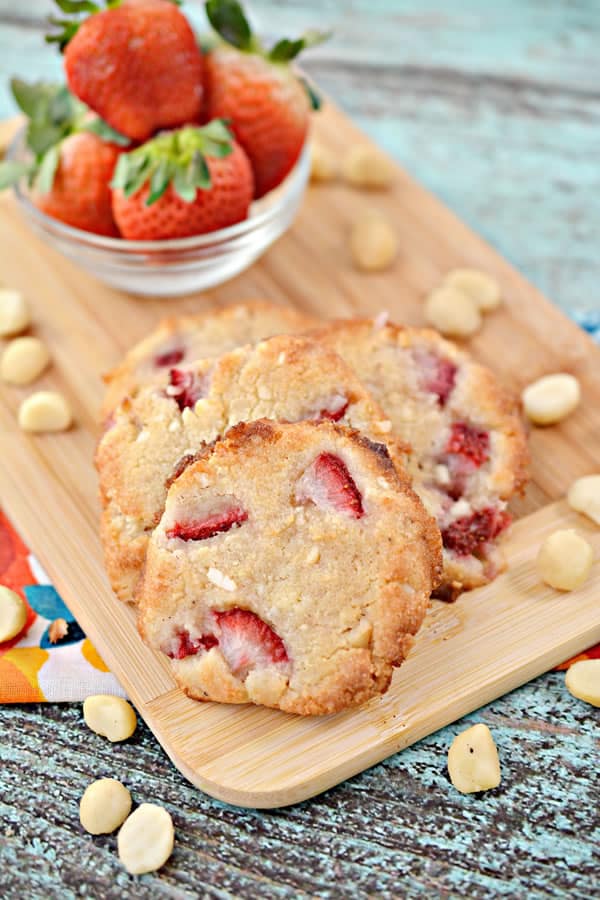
[
  {"x": 176, "y": 158},
  {"x": 53, "y": 113},
  {"x": 82, "y": 9}
]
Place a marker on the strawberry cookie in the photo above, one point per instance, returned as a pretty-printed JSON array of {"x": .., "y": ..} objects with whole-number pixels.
[
  {"x": 155, "y": 433},
  {"x": 469, "y": 445},
  {"x": 291, "y": 568},
  {"x": 183, "y": 339}
]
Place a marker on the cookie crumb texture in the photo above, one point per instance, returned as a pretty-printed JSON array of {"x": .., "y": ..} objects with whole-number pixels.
[
  {"x": 469, "y": 450},
  {"x": 273, "y": 628},
  {"x": 154, "y": 435}
]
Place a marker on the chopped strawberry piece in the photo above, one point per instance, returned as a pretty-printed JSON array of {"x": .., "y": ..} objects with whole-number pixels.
[
  {"x": 202, "y": 529},
  {"x": 469, "y": 442},
  {"x": 466, "y": 535},
  {"x": 169, "y": 357},
  {"x": 185, "y": 387},
  {"x": 328, "y": 483},
  {"x": 247, "y": 642},
  {"x": 437, "y": 375},
  {"x": 335, "y": 412},
  {"x": 185, "y": 645}
]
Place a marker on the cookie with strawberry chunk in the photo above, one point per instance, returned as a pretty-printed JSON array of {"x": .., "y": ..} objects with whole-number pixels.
[
  {"x": 183, "y": 339},
  {"x": 291, "y": 568},
  {"x": 469, "y": 448},
  {"x": 155, "y": 433}
]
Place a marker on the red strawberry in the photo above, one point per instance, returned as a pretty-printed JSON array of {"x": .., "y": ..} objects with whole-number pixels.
[
  {"x": 185, "y": 388},
  {"x": 202, "y": 529},
  {"x": 328, "y": 483},
  {"x": 466, "y": 535},
  {"x": 470, "y": 443},
  {"x": 335, "y": 410},
  {"x": 258, "y": 91},
  {"x": 247, "y": 642},
  {"x": 184, "y": 645},
  {"x": 182, "y": 183},
  {"x": 169, "y": 357},
  {"x": 79, "y": 194},
  {"x": 436, "y": 374},
  {"x": 137, "y": 65}
]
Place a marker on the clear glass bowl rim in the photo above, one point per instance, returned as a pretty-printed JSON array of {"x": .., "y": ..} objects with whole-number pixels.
[{"x": 120, "y": 245}]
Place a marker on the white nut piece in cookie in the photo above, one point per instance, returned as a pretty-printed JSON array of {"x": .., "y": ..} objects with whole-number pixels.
[
  {"x": 482, "y": 288},
  {"x": 473, "y": 763},
  {"x": 45, "y": 411},
  {"x": 105, "y": 805},
  {"x": 323, "y": 163},
  {"x": 565, "y": 559},
  {"x": 584, "y": 497},
  {"x": 364, "y": 166},
  {"x": 24, "y": 360},
  {"x": 13, "y": 614},
  {"x": 373, "y": 243},
  {"x": 551, "y": 399},
  {"x": 14, "y": 313},
  {"x": 112, "y": 717},
  {"x": 145, "y": 841},
  {"x": 583, "y": 680},
  {"x": 452, "y": 312}
]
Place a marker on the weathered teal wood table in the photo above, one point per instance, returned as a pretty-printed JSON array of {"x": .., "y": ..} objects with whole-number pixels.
[{"x": 495, "y": 107}]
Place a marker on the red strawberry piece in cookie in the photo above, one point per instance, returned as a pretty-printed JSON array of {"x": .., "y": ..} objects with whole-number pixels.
[
  {"x": 328, "y": 483},
  {"x": 184, "y": 645},
  {"x": 466, "y": 535},
  {"x": 202, "y": 529},
  {"x": 469, "y": 442},
  {"x": 169, "y": 357},
  {"x": 335, "y": 411},
  {"x": 436, "y": 374},
  {"x": 185, "y": 388},
  {"x": 247, "y": 642}
]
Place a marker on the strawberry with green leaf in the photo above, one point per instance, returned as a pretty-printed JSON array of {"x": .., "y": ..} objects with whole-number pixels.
[
  {"x": 136, "y": 63},
  {"x": 181, "y": 183},
  {"x": 257, "y": 89},
  {"x": 72, "y": 157}
]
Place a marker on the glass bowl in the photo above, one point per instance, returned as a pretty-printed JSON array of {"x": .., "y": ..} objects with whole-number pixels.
[{"x": 174, "y": 267}]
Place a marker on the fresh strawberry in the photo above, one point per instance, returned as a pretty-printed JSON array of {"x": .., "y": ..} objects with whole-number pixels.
[
  {"x": 182, "y": 183},
  {"x": 328, "y": 484},
  {"x": 436, "y": 374},
  {"x": 259, "y": 92},
  {"x": 465, "y": 536},
  {"x": 247, "y": 642},
  {"x": 137, "y": 64},
  {"x": 80, "y": 194},
  {"x": 72, "y": 158},
  {"x": 184, "y": 645},
  {"x": 185, "y": 387},
  {"x": 335, "y": 410},
  {"x": 202, "y": 529},
  {"x": 470, "y": 443}
]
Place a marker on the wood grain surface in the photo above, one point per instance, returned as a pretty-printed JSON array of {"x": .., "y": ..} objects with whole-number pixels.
[{"x": 496, "y": 109}]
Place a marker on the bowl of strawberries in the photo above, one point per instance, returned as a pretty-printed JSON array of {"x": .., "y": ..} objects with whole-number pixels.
[{"x": 162, "y": 167}]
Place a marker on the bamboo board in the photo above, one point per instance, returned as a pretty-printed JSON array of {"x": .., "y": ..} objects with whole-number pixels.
[{"x": 488, "y": 643}]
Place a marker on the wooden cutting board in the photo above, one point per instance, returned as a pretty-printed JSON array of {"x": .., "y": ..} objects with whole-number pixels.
[{"x": 488, "y": 643}]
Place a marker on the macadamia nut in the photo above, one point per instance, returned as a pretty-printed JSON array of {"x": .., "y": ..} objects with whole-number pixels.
[
  {"x": 105, "y": 805},
  {"x": 145, "y": 841},
  {"x": 323, "y": 163},
  {"x": 13, "y": 614},
  {"x": 365, "y": 167},
  {"x": 14, "y": 313},
  {"x": 551, "y": 398},
  {"x": 24, "y": 360},
  {"x": 482, "y": 288},
  {"x": 112, "y": 717},
  {"x": 45, "y": 411},
  {"x": 373, "y": 243},
  {"x": 583, "y": 680},
  {"x": 584, "y": 497},
  {"x": 473, "y": 763},
  {"x": 452, "y": 312},
  {"x": 564, "y": 560}
]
